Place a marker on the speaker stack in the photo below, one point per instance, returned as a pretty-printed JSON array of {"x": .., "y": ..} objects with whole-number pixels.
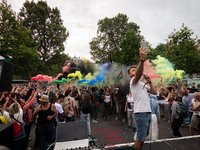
[
  {"x": 6, "y": 73},
  {"x": 73, "y": 136}
]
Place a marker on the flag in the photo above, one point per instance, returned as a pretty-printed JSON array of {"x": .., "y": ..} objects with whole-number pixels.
[
  {"x": 5, "y": 57},
  {"x": 120, "y": 76}
]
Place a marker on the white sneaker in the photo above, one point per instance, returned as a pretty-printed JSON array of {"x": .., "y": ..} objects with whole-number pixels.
[
  {"x": 94, "y": 121},
  {"x": 187, "y": 123},
  {"x": 28, "y": 148}
]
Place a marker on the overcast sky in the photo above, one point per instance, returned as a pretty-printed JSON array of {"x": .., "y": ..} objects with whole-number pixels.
[{"x": 156, "y": 18}]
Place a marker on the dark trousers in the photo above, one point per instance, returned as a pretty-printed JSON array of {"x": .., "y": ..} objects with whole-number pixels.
[
  {"x": 113, "y": 109},
  {"x": 175, "y": 127},
  {"x": 190, "y": 115},
  {"x": 26, "y": 139},
  {"x": 70, "y": 119},
  {"x": 106, "y": 107},
  {"x": 94, "y": 112},
  {"x": 45, "y": 133},
  {"x": 123, "y": 107},
  {"x": 17, "y": 144}
]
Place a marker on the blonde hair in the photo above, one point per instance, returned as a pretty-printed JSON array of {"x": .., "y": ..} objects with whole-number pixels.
[
  {"x": 14, "y": 108},
  {"x": 196, "y": 94},
  {"x": 175, "y": 95}
]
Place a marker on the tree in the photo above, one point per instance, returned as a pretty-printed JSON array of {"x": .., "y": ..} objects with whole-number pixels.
[
  {"x": 55, "y": 63},
  {"x": 129, "y": 53},
  {"x": 110, "y": 34},
  {"x": 181, "y": 50},
  {"x": 46, "y": 27},
  {"x": 159, "y": 50},
  {"x": 16, "y": 41}
]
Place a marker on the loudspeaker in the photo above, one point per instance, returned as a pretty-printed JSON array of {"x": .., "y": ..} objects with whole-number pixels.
[
  {"x": 70, "y": 131},
  {"x": 6, "y": 135},
  {"x": 6, "y": 73}
]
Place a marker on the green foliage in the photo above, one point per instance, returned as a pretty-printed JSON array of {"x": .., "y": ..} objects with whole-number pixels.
[
  {"x": 16, "y": 41},
  {"x": 111, "y": 34},
  {"x": 55, "y": 63},
  {"x": 181, "y": 50},
  {"x": 46, "y": 27},
  {"x": 129, "y": 53},
  {"x": 159, "y": 50},
  {"x": 39, "y": 36}
]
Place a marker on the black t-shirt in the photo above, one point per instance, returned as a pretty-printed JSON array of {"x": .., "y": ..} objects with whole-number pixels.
[
  {"x": 166, "y": 94},
  {"x": 2, "y": 101},
  {"x": 42, "y": 119},
  {"x": 74, "y": 93}
]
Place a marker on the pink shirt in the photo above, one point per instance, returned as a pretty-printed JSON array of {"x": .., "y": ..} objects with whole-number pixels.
[
  {"x": 72, "y": 105},
  {"x": 28, "y": 116}
]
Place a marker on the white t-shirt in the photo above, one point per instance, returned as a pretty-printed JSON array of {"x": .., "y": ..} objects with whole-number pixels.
[
  {"x": 140, "y": 96},
  {"x": 59, "y": 109},
  {"x": 158, "y": 94},
  {"x": 18, "y": 116},
  {"x": 196, "y": 113},
  {"x": 107, "y": 98},
  {"x": 130, "y": 100}
]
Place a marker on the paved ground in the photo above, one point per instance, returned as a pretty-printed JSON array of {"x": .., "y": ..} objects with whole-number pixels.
[{"x": 114, "y": 132}]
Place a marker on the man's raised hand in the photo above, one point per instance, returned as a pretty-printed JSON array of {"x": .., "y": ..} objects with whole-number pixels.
[{"x": 143, "y": 53}]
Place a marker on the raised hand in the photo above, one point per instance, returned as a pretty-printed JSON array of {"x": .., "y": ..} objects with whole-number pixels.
[{"x": 143, "y": 53}]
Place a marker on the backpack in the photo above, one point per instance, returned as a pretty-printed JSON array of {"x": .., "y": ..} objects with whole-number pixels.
[
  {"x": 183, "y": 108},
  {"x": 18, "y": 130},
  {"x": 86, "y": 107}
]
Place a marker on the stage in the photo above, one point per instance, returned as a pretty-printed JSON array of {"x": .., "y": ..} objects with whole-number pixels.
[
  {"x": 113, "y": 135},
  {"x": 183, "y": 143}
]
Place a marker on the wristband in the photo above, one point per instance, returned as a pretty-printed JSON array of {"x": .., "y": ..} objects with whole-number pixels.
[
  {"x": 146, "y": 83},
  {"x": 149, "y": 82},
  {"x": 142, "y": 60}
]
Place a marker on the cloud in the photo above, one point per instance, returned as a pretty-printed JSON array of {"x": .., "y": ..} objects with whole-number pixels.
[{"x": 156, "y": 18}]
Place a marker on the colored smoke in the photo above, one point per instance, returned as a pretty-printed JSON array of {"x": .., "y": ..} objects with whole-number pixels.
[
  {"x": 165, "y": 68},
  {"x": 41, "y": 78}
]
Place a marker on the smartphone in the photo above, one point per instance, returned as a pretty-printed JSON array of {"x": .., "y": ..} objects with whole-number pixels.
[{"x": 143, "y": 44}]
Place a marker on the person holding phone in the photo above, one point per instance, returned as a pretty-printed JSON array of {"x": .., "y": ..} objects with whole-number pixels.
[{"x": 139, "y": 90}]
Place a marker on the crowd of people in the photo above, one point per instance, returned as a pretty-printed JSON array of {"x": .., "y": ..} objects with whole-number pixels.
[
  {"x": 142, "y": 104},
  {"x": 48, "y": 106}
]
